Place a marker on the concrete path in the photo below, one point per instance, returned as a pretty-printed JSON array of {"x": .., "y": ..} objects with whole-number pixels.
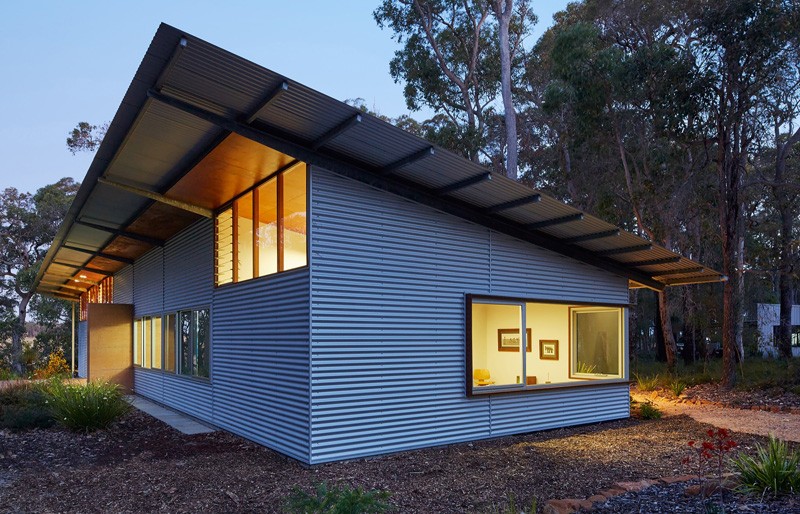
[
  {"x": 173, "y": 418},
  {"x": 782, "y": 425}
]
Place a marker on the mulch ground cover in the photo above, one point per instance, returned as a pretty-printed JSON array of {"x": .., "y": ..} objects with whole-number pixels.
[{"x": 142, "y": 465}]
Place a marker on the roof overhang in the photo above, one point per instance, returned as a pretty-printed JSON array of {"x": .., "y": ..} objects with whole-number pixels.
[{"x": 199, "y": 125}]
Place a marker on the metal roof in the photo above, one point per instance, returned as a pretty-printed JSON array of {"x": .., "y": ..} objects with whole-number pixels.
[{"x": 189, "y": 99}]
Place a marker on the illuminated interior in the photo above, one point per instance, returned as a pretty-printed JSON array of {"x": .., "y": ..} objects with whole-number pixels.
[
  {"x": 530, "y": 345},
  {"x": 249, "y": 245}
]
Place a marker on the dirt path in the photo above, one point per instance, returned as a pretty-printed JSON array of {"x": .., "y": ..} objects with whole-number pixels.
[{"x": 783, "y": 425}]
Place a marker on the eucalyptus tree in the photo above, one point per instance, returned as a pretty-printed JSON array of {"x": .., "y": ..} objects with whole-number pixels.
[{"x": 450, "y": 61}]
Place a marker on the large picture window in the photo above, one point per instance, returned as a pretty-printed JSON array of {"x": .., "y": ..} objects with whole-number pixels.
[
  {"x": 514, "y": 344},
  {"x": 264, "y": 231},
  {"x": 177, "y": 342}
]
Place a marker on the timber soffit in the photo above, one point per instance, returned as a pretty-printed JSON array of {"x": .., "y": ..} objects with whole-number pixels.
[{"x": 199, "y": 94}]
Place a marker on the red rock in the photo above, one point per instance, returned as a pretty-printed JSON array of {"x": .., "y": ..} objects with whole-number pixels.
[
  {"x": 677, "y": 478},
  {"x": 612, "y": 491},
  {"x": 597, "y": 498},
  {"x": 566, "y": 506},
  {"x": 775, "y": 409},
  {"x": 635, "y": 486}
]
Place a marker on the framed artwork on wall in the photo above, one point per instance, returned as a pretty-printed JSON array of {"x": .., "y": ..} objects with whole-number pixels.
[{"x": 508, "y": 340}]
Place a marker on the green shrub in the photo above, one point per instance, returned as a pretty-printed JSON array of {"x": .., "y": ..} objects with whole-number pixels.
[
  {"x": 646, "y": 383},
  {"x": 649, "y": 411},
  {"x": 677, "y": 387},
  {"x": 86, "y": 407},
  {"x": 774, "y": 470},
  {"x": 24, "y": 406},
  {"x": 337, "y": 500}
]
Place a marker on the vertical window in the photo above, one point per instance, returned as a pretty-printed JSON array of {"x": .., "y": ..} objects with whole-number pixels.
[
  {"x": 293, "y": 217},
  {"x": 203, "y": 343},
  {"x": 265, "y": 230},
  {"x": 596, "y": 342},
  {"x": 223, "y": 231},
  {"x": 497, "y": 338},
  {"x": 156, "y": 342},
  {"x": 185, "y": 342},
  {"x": 137, "y": 342},
  {"x": 243, "y": 213},
  {"x": 169, "y": 342},
  {"x": 147, "y": 348}
]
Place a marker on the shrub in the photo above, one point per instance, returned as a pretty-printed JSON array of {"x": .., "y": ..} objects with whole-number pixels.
[
  {"x": 774, "y": 470},
  {"x": 649, "y": 411},
  {"x": 86, "y": 407},
  {"x": 645, "y": 383},
  {"x": 56, "y": 366},
  {"x": 677, "y": 387},
  {"x": 24, "y": 406},
  {"x": 337, "y": 500}
]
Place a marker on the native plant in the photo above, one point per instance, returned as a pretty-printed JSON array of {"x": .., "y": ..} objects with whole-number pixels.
[
  {"x": 337, "y": 500},
  {"x": 24, "y": 406},
  {"x": 774, "y": 470},
  {"x": 649, "y": 411},
  {"x": 56, "y": 366},
  {"x": 86, "y": 407},
  {"x": 677, "y": 387},
  {"x": 646, "y": 383}
]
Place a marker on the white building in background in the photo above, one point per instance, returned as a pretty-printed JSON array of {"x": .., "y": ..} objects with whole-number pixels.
[{"x": 769, "y": 315}]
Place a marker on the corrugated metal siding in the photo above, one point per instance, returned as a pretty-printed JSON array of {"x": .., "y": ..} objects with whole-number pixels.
[
  {"x": 83, "y": 356},
  {"x": 260, "y": 331},
  {"x": 148, "y": 277},
  {"x": 189, "y": 395},
  {"x": 189, "y": 267},
  {"x": 388, "y": 284},
  {"x": 123, "y": 285}
]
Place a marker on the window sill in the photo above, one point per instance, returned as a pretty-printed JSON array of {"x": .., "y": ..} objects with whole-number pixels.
[{"x": 478, "y": 391}]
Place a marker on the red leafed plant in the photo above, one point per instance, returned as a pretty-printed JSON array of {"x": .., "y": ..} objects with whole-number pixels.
[{"x": 710, "y": 453}]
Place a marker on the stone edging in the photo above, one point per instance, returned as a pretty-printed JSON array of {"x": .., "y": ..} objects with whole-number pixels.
[{"x": 570, "y": 505}]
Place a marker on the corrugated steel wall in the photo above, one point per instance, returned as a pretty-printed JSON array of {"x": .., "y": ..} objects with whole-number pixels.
[
  {"x": 260, "y": 333},
  {"x": 388, "y": 283},
  {"x": 189, "y": 267},
  {"x": 123, "y": 285},
  {"x": 148, "y": 279},
  {"x": 83, "y": 356}
]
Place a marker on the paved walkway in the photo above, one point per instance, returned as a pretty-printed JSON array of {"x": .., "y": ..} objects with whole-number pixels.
[
  {"x": 782, "y": 425},
  {"x": 173, "y": 418}
]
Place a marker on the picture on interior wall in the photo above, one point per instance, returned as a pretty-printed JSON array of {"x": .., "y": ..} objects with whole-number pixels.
[
  {"x": 548, "y": 349},
  {"x": 508, "y": 340}
]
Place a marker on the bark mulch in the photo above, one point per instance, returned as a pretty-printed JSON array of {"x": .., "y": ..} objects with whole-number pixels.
[{"x": 142, "y": 465}]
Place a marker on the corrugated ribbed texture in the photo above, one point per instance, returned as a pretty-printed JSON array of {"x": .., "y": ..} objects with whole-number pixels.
[
  {"x": 189, "y": 395},
  {"x": 388, "y": 283},
  {"x": 123, "y": 285},
  {"x": 148, "y": 277},
  {"x": 189, "y": 267},
  {"x": 260, "y": 359},
  {"x": 83, "y": 356}
]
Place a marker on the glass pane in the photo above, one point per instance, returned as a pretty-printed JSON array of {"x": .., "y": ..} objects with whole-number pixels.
[
  {"x": 496, "y": 344},
  {"x": 137, "y": 345},
  {"x": 597, "y": 340},
  {"x": 294, "y": 218},
  {"x": 224, "y": 247},
  {"x": 185, "y": 320},
  {"x": 169, "y": 343},
  {"x": 157, "y": 342},
  {"x": 147, "y": 332},
  {"x": 203, "y": 339},
  {"x": 268, "y": 228},
  {"x": 244, "y": 237}
]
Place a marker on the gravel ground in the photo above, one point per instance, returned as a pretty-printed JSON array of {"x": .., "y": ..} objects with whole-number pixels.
[{"x": 140, "y": 464}]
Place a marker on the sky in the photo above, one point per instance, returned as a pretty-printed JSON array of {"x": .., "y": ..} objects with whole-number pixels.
[{"x": 66, "y": 62}]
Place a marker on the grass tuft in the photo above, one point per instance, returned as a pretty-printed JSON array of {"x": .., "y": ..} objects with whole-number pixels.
[
  {"x": 337, "y": 500},
  {"x": 775, "y": 469},
  {"x": 649, "y": 411},
  {"x": 86, "y": 407},
  {"x": 646, "y": 383}
]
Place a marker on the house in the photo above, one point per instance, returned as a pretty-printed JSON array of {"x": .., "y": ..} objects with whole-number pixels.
[
  {"x": 768, "y": 319},
  {"x": 274, "y": 262}
]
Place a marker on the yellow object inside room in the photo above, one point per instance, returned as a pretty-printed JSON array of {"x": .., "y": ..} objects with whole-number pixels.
[{"x": 532, "y": 345}]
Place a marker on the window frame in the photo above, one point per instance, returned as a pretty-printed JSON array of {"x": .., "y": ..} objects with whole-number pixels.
[
  {"x": 278, "y": 175},
  {"x": 524, "y": 388},
  {"x": 138, "y": 340}
]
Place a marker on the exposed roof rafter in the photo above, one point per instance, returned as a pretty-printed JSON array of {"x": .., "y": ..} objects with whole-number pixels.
[
  {"x": 627, "y": 249},
  {"x": 654, "y": 262},
  {"x": 336, "y": 131},
  {"x": 534, "y": 198},
  {"x": 202, "y": 211},
  {"x": 405, "y": 161},
  {"x": 682, "y": 271},
  {"x": 123, "y": 233},
  {"x": 462, "y": 184},
  {"x": 94, "y": 253},
  {"x": 84, "y": 268},
  {"x": 555, "y": 221},
  {"x": 271, "y": 96},
  {"x": 591, "y": 237}
]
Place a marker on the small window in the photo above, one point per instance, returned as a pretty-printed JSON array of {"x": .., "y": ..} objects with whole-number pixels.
[
  {"x": 194, "y": 343},
  {"x": 156, "y": 342},
  {"x": 169, "y": 343},
  {"x": 147, "y": 344},
  {"x": 265, "y": 230},
  {"x": 596, "y": 342},
  {"x": 137, "y": 342}
]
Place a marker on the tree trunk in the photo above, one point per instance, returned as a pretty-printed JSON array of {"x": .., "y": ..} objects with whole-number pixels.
[
  {"x": 731, "y": 294},
  {"x": 670, "y": 347},
  {"x": 18, "y": 333},
  {"x": 503, "y": 9}
]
